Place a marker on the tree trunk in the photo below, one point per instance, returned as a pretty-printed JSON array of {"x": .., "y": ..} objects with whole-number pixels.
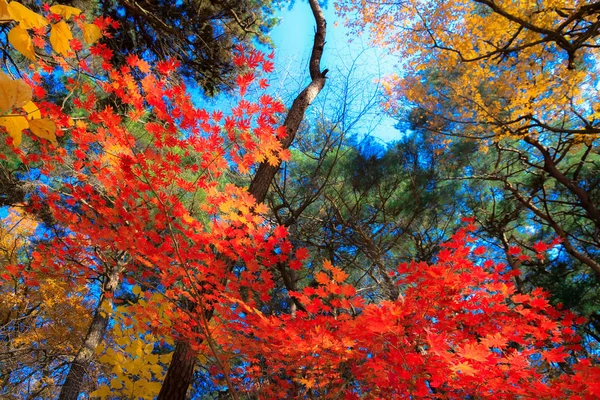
[
  {"x": 180, "y": 374},
  {"x": 181, "y": 370},
  {"x": 79, "y": 367}
]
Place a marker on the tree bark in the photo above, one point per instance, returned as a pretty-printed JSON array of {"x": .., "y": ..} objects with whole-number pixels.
[
  {"x": 180, "y": 373},
  {"x": 266, "y": 172},
  {"x": 80, "y": 365},
  {"x": 181, "y": 370}
]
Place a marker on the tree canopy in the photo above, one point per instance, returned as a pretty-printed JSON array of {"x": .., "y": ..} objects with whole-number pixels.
[{"x": 155, "y": 246}]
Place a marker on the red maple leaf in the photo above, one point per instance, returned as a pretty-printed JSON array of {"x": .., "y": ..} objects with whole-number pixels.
[
  {"x": 280, "y": 232},
  {"x": 555, "y": 355}
]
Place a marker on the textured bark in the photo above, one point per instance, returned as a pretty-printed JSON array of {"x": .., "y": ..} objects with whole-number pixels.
[
  {"x": 80, "y": 365},
  {"x": 181, "y": 370}
]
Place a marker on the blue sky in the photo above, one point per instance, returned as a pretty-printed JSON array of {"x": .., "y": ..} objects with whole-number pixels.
[{"x": 293, "y": 40}]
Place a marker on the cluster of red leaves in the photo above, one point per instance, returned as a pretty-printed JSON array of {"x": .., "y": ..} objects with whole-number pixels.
[
  {"x": 460, "y": 329},
  {"x": 142, "y": 185}
]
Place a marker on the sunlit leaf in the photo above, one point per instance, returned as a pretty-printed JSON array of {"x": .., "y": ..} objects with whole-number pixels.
[
  {"x": 91, "y": 33},
  {"x": 14, "y": 125},
  {"x": 43, "y": 128},
  {"x": 27, "y": 18},
  {"x": 322, "y": 278},
  {"x": 23, "y": 93},
  {"x": 21, "y": 41},
  {"x": 65, "y": 11},
  {"x": 32, "y": 110},
  {"x": 4, "y": 14},
  {"x": 60, "y": 35},
  {"x": 102, "y": 392},
  {"x": 464, "y": 368},
  {"x": 8, "y": 93}
]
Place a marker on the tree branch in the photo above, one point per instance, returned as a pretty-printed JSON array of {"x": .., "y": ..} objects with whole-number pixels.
[{"x": 266, "y": 172}]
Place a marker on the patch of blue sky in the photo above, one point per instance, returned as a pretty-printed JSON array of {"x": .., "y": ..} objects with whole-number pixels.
[
  {"x": 354, "y": 70},
  {"x": 349, "y": 58}
]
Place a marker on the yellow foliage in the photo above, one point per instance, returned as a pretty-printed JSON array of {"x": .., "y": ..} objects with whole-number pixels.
[
  {"x": 21, "y": 41},
  {"x": 4, "y": 14},
  {"x": 14, "y": 125},
  {"x": 17, "y": 94},
  {"x": 65, "y": 11},
  {"x": 494, "y": 63},
  {"x": 137, "y": 371},
  {"x": 60, "y": 32},
  {"x": 27, "y": 19},
  {"x": 60, "y": 35},
  {"x": 32, "y": 110},
  {"x": 91, "y": 33},
  {"x": 13, "y": 93},
  {"x": 44, "y": 128},
  {"x": 44, "y": 323}
]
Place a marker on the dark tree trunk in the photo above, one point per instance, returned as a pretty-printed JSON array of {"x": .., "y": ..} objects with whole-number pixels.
[{"x": 177, "y": 381}]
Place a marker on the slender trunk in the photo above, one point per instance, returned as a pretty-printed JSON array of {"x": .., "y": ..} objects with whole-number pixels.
[
  {"x": 80, "y": 365},
  {"x": 266, "y": 172},
  {"x": 181, "y": 370}
]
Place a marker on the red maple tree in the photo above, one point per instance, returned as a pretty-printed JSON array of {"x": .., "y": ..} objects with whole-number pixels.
[{"x": 135, "y": 186}]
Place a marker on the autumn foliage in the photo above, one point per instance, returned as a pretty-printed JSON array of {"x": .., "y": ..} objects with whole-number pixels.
[
  {"x": 460, "y": 328},
  {"x": 131, "y": 187}
]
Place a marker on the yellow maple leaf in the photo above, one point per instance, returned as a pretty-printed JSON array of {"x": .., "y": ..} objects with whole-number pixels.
[
  {"x": 148, "y": 348},
  {"x": 26, "y": 18},
  {"x": 8, "y": 95},
  {"x": 14, "y": 125},
  {"x": 44, "y": 128},
  {"x": 91, "y": 33},
  {"x": 23, "y": 93},
  {"x": 102, "y": 392},
  {"x": 21, "y": 41},
  {"x": 32, "y": 110},
  {"x": 116, "y": 383},
  {"x": 60, "y": 35},
  {"x": 4, "y": 14},
  {"x": 308, "y": 383},
  {"x": 65, "y": 11}
]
